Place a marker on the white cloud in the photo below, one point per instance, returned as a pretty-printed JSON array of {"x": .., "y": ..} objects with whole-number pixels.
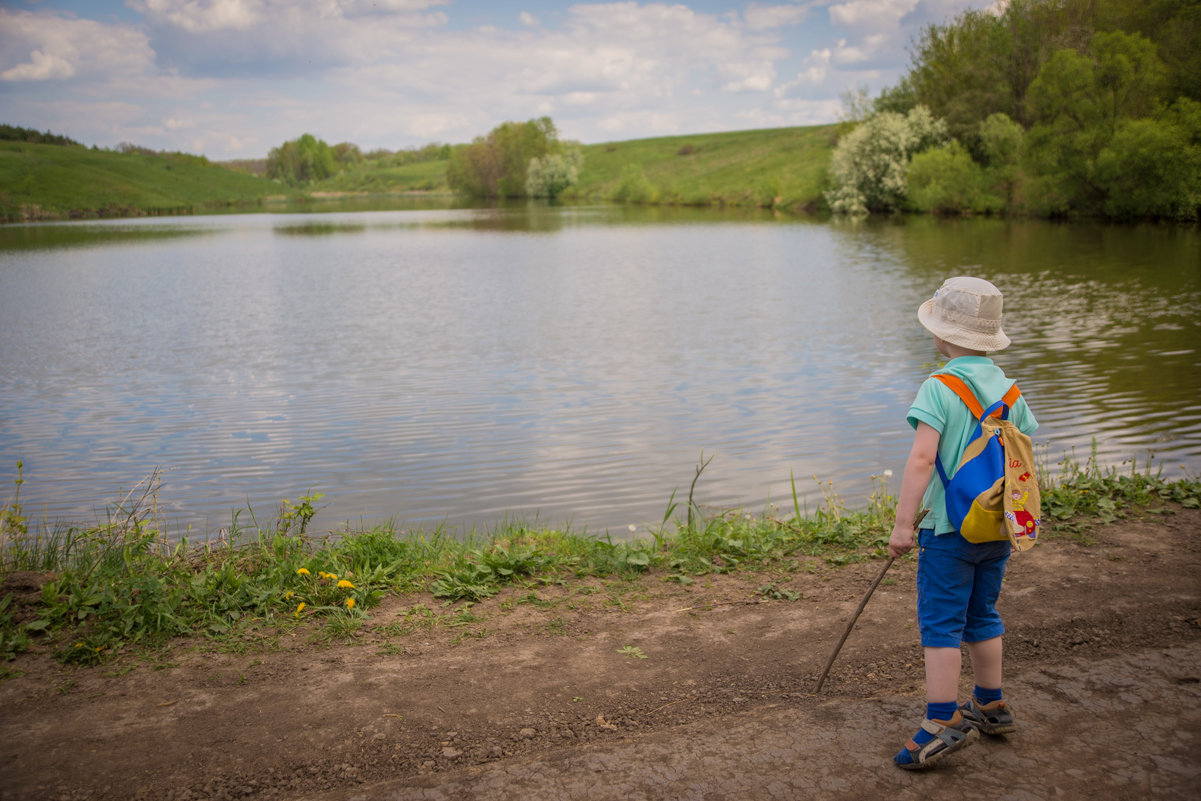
[
  {"x": 201, "y": 16},
  {"x": 760, "y": 18},
  {"x": 813, "y": 73},
  {"x": 39, "y": 47},
  {"x": 40, "y": 67},
  {"x": 242, "y": 76},
  {"x": 865, "y": 50},
  {"x": 871, "y": 14}
]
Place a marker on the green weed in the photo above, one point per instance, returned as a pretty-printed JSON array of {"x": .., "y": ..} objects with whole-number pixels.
[{"x": 121, "y": 584}]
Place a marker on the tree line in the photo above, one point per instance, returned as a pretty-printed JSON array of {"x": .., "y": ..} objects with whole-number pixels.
[
  {"x": 15, "y": 133},
  {"x": 1048, "y": 107},
  {"x": 515, "y": 159}
]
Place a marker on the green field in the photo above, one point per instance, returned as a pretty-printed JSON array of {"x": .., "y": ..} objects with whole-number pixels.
[
  {"x": 60, "y": 182},
  {"x": 781, "y": 168}
]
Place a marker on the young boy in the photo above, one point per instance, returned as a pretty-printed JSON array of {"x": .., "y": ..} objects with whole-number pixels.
[{"x": 957, "y": 581}]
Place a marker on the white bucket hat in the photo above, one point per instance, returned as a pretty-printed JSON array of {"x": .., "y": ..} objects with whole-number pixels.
[{"x": 966, "y": 312}]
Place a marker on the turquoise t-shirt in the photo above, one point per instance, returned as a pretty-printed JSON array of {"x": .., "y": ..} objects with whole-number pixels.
[{"x": 939, "y": 407}]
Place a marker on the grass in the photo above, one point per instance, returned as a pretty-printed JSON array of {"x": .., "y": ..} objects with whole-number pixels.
[
  {"x": 375, "y": 178},
  {"x": 121, "y": 586},
  {"x": 783, "y": 168},
  {"x": 55, "y": 182},
  {"x": 775, "y": 168}
]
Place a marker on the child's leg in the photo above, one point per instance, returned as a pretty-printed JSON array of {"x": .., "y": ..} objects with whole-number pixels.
[
  {"x": 987, "y": 709},
  {"x": 942, "y": 674},
  {"x": 944, "y": 585},
  {"x": 945, "y": 729},
  {"x": 986, "y": 662}
]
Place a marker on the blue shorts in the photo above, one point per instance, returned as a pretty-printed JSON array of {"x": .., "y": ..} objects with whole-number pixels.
[{"x": 957, "y": 587}]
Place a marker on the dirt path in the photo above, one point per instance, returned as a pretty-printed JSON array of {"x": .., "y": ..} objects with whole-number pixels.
[{"x": 542, "y": 696}]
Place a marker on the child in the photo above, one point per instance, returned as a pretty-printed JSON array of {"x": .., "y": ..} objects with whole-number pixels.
[{"x": 957, "y": 581}]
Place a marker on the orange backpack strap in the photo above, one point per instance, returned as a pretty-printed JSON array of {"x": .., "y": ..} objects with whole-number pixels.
[
  {"x": 957, "y": 385},
  {"x": 1011, "y": 397}
]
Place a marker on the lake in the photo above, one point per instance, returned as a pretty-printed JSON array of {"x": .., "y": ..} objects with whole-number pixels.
[{"x": 566, "y": 365}]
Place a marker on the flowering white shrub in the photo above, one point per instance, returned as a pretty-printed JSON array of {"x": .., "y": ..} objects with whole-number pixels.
[
  {"x": 549, "y": 175},
  {"x": 870, "y": 164}
]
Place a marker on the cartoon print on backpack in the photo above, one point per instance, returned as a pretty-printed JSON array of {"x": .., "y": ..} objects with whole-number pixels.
[{"x": 1020, "y": 517}]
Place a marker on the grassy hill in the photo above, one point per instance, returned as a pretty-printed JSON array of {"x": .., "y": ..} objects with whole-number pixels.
[
  {"x": 39, "y": 181},
  {"x": 781, "y": 168}
]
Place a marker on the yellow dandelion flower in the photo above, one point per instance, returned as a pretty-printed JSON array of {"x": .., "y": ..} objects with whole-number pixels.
[
  {"x": 78, "y": 645},
  {"x": 345, "y": 585},
  {"x": 304, "y": 571},
  {"x": 299, "y": 609},
  {"x": 288, "y": 595},
  {"x": 350, "y": 603}
]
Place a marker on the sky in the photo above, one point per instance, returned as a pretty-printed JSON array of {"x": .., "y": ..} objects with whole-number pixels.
[{"x": 231, "y": 79}]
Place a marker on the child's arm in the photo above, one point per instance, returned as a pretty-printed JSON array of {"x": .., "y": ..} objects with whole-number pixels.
[{"x": 918, "y": 467}]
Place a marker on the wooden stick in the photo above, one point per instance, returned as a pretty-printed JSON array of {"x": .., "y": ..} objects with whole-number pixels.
[{"x": 863, "y": 603}]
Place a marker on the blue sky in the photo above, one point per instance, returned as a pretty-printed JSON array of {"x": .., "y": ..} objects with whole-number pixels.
[{"x": 234, "y": 78}]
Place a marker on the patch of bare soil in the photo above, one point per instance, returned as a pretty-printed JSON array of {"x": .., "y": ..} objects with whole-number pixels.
[{"x": 647, "y": 689}]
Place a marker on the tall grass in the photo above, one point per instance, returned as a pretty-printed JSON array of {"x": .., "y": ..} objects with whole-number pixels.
[{"x": 108, "y": 587}]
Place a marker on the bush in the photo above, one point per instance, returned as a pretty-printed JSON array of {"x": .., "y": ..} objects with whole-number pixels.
[
  {"x": 869, "y": 167},
  {"x": 945, "y": 180},
  {"x": 634, "y": 186},
  {"x": 1152, "y": 168},
  {"x": 552, "y": 174}
]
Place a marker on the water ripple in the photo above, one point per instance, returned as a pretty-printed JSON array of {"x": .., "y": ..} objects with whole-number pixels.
[{"x": 459, "y": 365}]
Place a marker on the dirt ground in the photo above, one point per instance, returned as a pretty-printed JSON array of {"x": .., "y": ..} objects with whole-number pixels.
[{"x": 649, "y": 690}]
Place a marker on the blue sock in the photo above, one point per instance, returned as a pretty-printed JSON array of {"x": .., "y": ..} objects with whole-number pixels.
[
  {"x": 986, "y": 696},
  {"x": 939, "y": 711}
]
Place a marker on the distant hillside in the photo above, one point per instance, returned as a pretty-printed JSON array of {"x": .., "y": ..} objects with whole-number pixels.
[
  {"x": 49, "y": 181},
  {"x": 782, "y": 167}
]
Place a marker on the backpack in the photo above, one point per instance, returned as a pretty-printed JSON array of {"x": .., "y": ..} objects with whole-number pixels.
[{"x": 993, "y": 494}]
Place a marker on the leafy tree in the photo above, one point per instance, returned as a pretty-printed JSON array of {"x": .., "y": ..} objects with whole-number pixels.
[
  {"x": 1001, "y": 142},
  {"x": 498, "y": 165},
  {"x": 1175, "y": 28},
  {"x": 899, "y": 99},
  {"x": 1152, "y": 167},
  {"x": 347, "y": 154},
  {"x": 301, "y": 161},
  {"x": 959, "y": 72},
  {"x": 1079, "y": 101},
  {"x": 869, "y": 166}
]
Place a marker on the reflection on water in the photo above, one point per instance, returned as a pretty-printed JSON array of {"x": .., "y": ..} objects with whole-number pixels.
[{"x": 569, "y": 362}]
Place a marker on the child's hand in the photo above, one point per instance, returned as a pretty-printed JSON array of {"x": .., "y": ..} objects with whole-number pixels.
[{"x": 901, "y": 542}]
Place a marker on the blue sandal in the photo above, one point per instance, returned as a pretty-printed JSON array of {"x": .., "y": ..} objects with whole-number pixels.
[
  {"x": 994, "y": 718},
  {"x": 955, "y": 734}
]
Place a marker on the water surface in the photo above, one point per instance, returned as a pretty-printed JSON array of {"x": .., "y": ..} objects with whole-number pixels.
[{"x": 569, "y": 364}]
